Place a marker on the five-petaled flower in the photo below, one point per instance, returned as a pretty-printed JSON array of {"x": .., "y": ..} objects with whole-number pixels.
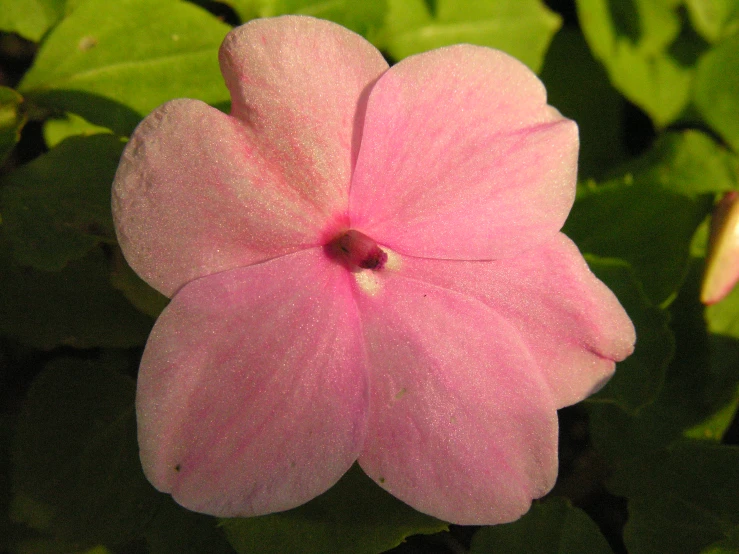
[{"x": 365, "y": 264}]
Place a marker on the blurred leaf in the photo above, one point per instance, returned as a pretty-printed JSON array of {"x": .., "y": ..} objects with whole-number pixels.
[
  {"x": 114, "y": 62},
  {"x": 175, "y": 530},
  {"x": 57, "y": 129},
  {"x": 12, "y": 121},
  {"x": 649, "y": 214},
  {"x": 689, "y": 163},
  {"x": 729, "y": 545},
  {"x": 30, "y": 18},
  {"x": 633, "y": 40},
  {"x": 641, "y": 222},
  {"x": 723, "y": 317},
  {"x": 553, "y": 526},
  {"x": 579, "y": 88},
  {"x": 700, "y": 391},
  {"x": 57, "y": 208},
  {"x": 142, "y": 296},
  {"x": 714, "y": 19},
  {"x": 680, "y": 500},
  {"x": 76, "y": 307},
  {"x": 716, "y": 425},
  {"x": 354, "y": 517},
  {"x": 76, "y": 469},
  {"x": 639, "y": 378},
  {"x": 364, "y": 17},
  {"x": 42, "y": 545},
  {"x": 14, "y": 537},
  {"x": 717, "y": 89},
  {"x": 522, "y": 28}
]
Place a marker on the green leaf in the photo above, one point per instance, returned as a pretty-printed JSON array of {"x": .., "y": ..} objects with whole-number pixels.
[
  {"x": 680, "y": 500},
  {"x": 57, "y": 208},
  {"x": 689, "y": 163},
  {"x": 717, "y": 89},
  {"x": 76, "y": 306},
  {"x": 553, "y": 526},
  {"x": 578, "y": 87},
  {"x": 30, "y": 18},
  {"x": 649, "y": 214},
  {"x": 639, "y": 378},
  {"x": 699, "y": 395},
  {"x": 522, "y": 28},
  {"x": 714, "y": 19},
  {"x": 723, "y": 317},
  {"x": 76, "y": 469},
  {"x": 354, "y": 517},
  {"x": 641, "y": 222},
  {"x": 633, "y": 40},
  {"x": 138, "y": 293},
  {"x": 59, "y": 128},
  {"x": 114, "y": 62},
  {"x": 175, "y": 530},
  {"x": 12, "y": 121},
  {"x": 729, "y": 545},
  {"x": 364, "y": 17}
]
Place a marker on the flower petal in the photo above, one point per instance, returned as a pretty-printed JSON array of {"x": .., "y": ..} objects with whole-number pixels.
[
  {"x": 570, "y": 321},
  {"x": 252, "y": 393},
  {"x": 300, "y": 84},
  {"x": 194, "y": 196},
  {"x": 461, "y": 157},
  {"x": 461, "y": 425}
]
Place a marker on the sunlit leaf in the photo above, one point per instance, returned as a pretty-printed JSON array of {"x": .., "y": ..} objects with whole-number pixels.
[
  {"x": 364, "y": 17},
  {"x": 70, "y": 125},
  {"x": 633, "y": 40},
  {"x": 30, "y": 18},
  {"x": 499, "y": 25},
  {"x": 690, "y": 163},
  {"x": 714, "y": 19},
  {"x": 717, "y": 89},
  {"x": 114, "y": 62}
]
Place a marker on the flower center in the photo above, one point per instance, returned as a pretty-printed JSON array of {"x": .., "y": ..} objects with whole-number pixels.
[{"x": 357, "y": 251}]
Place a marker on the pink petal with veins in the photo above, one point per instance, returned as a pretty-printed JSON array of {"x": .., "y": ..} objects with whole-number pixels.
[
  {"x": 193, "y": 196},
  {"x": 462, "y": 426},
  {"x": 462, "y": 158},
  {"x": 301, "y": 85},
  {"x": 572, "y": 324},
  {"x": 252, "y": 393},
  {"x": 199, "y": 192}
]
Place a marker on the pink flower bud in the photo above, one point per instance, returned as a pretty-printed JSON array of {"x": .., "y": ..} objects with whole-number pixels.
[{"x": 722, "y": 264}]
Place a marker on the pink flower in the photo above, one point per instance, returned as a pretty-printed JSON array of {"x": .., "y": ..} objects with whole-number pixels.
[{"x": 365, "y": 265}]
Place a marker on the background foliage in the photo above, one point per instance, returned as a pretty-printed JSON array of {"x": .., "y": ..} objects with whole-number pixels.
[{"x": 649, "y": 465}]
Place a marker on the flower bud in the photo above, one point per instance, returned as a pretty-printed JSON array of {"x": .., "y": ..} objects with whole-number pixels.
[{"x": 722, "y": 264}]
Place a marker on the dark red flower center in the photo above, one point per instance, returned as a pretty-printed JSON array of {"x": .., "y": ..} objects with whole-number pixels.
[{"x": 357, "y": 251}]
